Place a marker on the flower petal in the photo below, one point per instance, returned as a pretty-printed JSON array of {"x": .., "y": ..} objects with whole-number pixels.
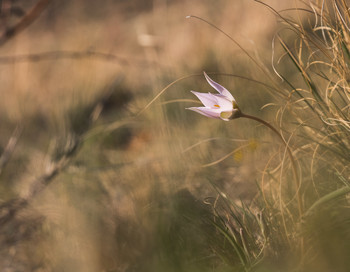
[
  {"x": 222, "y": 90},
  {"x": 223, "y": 102},
  {"x": 207, "y": 99},
  {"x": 208, "y": 112},
  {"x": 226, "y": 115}
]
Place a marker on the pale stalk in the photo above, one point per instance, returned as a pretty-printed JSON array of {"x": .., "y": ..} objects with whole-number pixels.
[{"x": 295, "y": 172}]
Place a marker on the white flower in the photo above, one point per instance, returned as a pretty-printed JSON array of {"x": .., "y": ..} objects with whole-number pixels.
[{"x": 220, "y": 106}]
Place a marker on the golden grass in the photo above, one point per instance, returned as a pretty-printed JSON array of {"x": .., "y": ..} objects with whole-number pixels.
[{"x": 140, "y": 172}]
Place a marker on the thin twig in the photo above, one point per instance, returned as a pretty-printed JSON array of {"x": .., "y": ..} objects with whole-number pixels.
[
  {"x": 9, "y": 209},
  {"x": 71, "y": 54},
  {"x": 10, "y": 147},
  {"x": 27, "y": 20}
]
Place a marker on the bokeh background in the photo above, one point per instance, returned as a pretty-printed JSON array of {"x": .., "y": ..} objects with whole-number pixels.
[{"x": 110, "y": 181}]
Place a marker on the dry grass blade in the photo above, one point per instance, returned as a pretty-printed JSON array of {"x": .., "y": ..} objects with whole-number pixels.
[{"x": 10, "y": 147}]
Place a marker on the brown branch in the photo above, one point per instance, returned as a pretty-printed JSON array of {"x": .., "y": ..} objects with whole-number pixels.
[
  {"x": 9, "y": 209},
  {"x": 10, "y": 147},
  {"x": 27, "y": 20},
  {"x": 70, "y": 54}
]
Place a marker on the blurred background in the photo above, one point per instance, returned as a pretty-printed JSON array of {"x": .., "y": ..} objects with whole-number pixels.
[{"x": 93, "y": 176}]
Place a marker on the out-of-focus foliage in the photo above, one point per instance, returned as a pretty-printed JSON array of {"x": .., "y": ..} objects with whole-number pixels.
[{"x": 98, "y": 175}]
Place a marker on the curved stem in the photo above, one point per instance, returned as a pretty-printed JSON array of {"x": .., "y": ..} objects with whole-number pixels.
[{"x": 293, "y": 161}]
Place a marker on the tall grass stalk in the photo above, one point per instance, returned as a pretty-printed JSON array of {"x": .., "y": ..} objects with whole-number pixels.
[{"x": 314, "y": 45}]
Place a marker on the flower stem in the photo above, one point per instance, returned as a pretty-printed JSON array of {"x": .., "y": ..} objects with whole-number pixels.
[{"x": 293, "y": 161}]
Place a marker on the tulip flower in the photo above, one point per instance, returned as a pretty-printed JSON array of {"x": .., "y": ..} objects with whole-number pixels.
[
  {"x": 223, "y": 106},
  {"x": 220, "y": 106}
]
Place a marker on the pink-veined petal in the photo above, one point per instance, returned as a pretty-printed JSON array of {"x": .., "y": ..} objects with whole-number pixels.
[
  {"x": 207, "y": 99},
  {"x": 222, "y": 90},
  {"x": 208, "y": 112}
]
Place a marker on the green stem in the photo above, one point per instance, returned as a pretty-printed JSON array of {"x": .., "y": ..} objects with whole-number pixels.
[{"x": 333, "y": 195}]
